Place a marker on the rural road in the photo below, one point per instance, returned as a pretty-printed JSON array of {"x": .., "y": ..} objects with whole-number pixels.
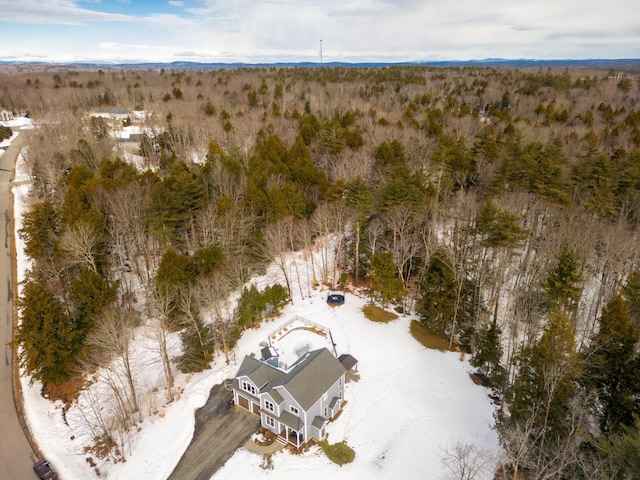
[
  {"x": 16, "y": 456},
  {"x": 220, "y": 430}
]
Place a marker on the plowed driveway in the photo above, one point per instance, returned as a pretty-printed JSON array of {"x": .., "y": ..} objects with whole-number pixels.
[{"x": 220, "y": 430}]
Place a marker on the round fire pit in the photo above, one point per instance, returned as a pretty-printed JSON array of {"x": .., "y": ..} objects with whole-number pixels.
[{"x": 335, "y": 298}]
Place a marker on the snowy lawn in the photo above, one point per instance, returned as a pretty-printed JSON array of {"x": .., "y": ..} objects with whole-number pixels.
[{"x": 409, "y": 405}]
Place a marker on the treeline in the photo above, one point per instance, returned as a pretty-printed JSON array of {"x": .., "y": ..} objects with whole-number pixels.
[{"x": 500, "y": 205}]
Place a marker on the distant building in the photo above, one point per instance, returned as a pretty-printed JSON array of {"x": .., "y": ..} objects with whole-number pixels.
[{"x": 113, "y": 113}]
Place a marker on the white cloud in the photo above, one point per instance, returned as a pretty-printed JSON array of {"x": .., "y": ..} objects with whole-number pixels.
[
  {"x": 124, "y": 46},
  {"x": 358, "y": 30},
  {"x": 62, "y": 12},
  {"x": 169, "y": 21}
]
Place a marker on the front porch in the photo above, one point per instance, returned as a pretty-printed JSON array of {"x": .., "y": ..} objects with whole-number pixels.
[{"x": 290, "y": 437}]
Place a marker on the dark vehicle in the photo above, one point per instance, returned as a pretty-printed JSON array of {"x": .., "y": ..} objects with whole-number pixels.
[{"x": 45, "y": 471}]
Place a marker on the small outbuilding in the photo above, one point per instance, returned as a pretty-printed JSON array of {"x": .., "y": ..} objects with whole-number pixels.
[
  {"x": 5, "y": 115},
  {"x": 270, "y": 356},
  {"x": 349, "y": 362}
]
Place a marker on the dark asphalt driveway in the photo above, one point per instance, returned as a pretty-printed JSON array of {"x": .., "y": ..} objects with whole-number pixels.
[{"x": 220, "y": 430}]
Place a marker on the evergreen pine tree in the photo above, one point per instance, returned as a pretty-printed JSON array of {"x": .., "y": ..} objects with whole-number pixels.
[
  {"x": 49, "y": 339},
  {"x": 40, "y": 231},
  {"x": 250, "y": 306},
  {"x": 444, "y": 298},
  {"x": 562, "y": 286},
  {"x": 614, "y": 366},
  {"x": 174, "y": 201},
  {"x": 198, "y": 345},
  {"x": 386, "y": 286},
  {"x": 358, "y": 196},
  {"x": 547, "y": 371},
  {"x": 90, "y": 293},
  {"x": 437, "y": 296},
  {"x": 488, "y": 356},
  {"x": 403, "y": 187},
  {"x": 499, "y": 228},
  {"x": 622, "y": 452},
  {"x": 631, "y": 292}
]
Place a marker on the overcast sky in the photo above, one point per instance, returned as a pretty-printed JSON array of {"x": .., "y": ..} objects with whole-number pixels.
[{"x": 291, "y": 30}]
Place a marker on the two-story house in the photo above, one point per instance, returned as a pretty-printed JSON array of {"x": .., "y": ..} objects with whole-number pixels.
[{"x": 296, "y": 404}]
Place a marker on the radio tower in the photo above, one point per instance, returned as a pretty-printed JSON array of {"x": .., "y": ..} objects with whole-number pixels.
[{"x": 321, "y": 52}]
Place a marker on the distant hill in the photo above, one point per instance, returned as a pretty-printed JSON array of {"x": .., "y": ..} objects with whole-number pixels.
[{"x": 489, "y": 62}]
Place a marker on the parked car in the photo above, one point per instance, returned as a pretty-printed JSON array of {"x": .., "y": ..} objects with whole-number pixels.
[{"x": 45, "y": 471}]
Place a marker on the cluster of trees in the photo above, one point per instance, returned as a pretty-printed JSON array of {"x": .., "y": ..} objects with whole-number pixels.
[
  {"x": 5, "y": 133},
  {"x": 500, "y": 205}
]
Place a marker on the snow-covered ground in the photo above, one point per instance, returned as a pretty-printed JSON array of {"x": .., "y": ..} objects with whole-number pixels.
[
  {"x": 409, "y": 405},
  {"x": 17, "y": 124}
]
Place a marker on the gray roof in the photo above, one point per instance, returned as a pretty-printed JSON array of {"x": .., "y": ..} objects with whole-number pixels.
[
  {"x": 291, "y": 420},
  {"x": 258, "y": 372},
  {"x": 318, "y": 422},
  {"x": 312, "y": 377},
  {"x": 114, "y": 111},
  {"x": 347, "y": 361},
  {"x": 276, "y": 397}
]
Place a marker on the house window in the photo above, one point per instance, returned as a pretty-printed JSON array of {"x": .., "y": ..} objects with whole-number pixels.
[
  {"x": 326, "y": 412},
  {"x": 340, "y": 381},
  {"x": 249, "y": 388},
  {"x": 271, "y": 422},
  {"x": 294, "y": 410},
  {"x": 269, "y": 406}
]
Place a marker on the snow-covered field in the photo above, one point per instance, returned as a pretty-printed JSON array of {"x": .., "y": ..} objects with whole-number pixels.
[{"x": 409, "y": 406}]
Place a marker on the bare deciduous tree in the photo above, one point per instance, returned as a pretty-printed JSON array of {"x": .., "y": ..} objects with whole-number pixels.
[
  {"x": 111, "y": 340},
  {"x": 162, "y": 302},
  {"x": 213, "y": 299},
  {"x": 79, "y": 243},
  {"x": 466, "y": 461},
  {"x": 276, "y": 247}
]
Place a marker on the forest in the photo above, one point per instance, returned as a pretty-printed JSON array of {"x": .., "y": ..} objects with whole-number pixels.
[{"x": 500, "y": 205}]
